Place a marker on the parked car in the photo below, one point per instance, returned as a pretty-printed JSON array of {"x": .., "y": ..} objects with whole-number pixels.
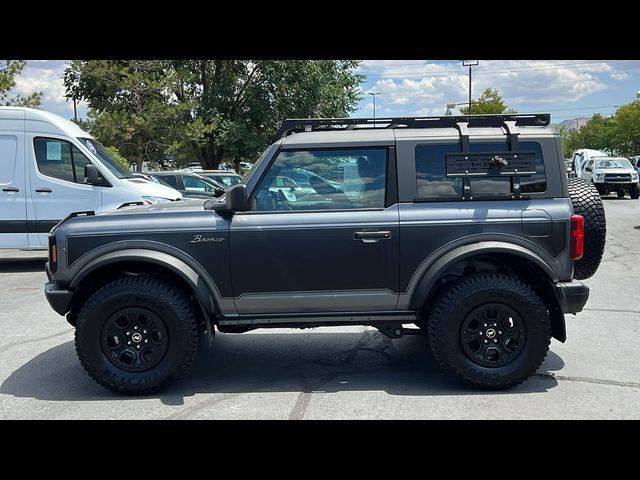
[
  {"x": 459, "y": 229},
  {"x": 635, "y": 161},
  {"x": 193, "y": 167},
  {"x": 50, "y": 167},
  {"x": 228, "y": 178},
  {"x": 612, "y": 174},
  {"x": 191, "y": 184},
  {"x": 570, "y": 168}
]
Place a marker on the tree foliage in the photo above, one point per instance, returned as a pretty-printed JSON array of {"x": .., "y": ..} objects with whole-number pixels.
[
  {"x": 490, "y": 101},
  {"x": 206, "y": 110},
  {"x": 8, "y": 71},
  {"x": 618, "y": 134}
]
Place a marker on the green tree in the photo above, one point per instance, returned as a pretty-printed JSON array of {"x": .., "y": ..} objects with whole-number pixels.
[
  {"x": 116, "y": 153},
  {"x": 598, "y": 133},
  {"x": 206, "y": 110},
  {"x": 571, "y": 140},
  {"x": 8, "y": 70},
  {"x": 130, "y": 104},
  {"x": 490, "y": 101},
  {"x": 625, "y": 126}
]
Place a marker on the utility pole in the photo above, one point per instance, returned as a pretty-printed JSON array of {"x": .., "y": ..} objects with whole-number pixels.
[
  {"x": 75, "y": 110},
  {"x": 373, "y": 94},
  {"x": 470, "y": 63}
]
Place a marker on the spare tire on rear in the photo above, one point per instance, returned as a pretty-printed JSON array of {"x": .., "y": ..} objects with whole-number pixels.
[{"x": 587, "y": 202}]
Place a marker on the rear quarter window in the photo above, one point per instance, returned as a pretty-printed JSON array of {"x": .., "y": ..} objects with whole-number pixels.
[{"x": 432, "y": 182}]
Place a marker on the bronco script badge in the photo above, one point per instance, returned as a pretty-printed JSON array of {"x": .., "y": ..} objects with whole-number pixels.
[{"x": 200, "y": 239}]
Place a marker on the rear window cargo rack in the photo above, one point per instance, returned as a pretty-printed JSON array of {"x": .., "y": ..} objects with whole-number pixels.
[{"x": 513, "y": 163}]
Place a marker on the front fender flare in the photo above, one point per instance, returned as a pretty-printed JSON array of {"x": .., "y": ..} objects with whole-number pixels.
[{"x": 204, "y": 293}]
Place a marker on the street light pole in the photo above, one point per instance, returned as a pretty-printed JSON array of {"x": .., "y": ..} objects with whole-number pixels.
[
  {"x": 470, "y": 63},
  {"x": 373, "y": 94}
]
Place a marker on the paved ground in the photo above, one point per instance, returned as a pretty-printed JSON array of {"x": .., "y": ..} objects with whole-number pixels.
[{"x": 347, "y": 372}]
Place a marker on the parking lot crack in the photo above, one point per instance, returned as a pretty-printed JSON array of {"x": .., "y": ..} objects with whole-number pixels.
[
  {"x": 6, "y": 347},
  {"x": 198, "y": 407},
  {"x": 597, "y": 381},
  {"x": 300, "y": 407}
]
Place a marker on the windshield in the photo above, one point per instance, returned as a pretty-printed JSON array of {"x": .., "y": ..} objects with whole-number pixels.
[
  {"x": 613, "y": 163},
  {"x": 107, "y": 159}
]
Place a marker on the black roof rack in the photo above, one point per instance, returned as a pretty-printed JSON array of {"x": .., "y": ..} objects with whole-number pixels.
[{"x": 294, "y": 125}]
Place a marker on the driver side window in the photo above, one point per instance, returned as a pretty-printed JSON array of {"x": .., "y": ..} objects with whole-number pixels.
[{"x": 323, "y": 180}]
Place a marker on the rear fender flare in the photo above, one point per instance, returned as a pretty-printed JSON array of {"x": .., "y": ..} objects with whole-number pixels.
[{"x": 443, "y": 262}]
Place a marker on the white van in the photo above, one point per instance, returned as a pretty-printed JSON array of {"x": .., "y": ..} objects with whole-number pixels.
[
  {"x": 49, "y": 167},
  {"x": 582, "y": 156}
]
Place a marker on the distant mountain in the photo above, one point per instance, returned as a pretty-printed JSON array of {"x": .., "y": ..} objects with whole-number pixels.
[{"x": 574, "y": 123}]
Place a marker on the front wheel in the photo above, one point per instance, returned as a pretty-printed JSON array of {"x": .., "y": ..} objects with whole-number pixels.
[
  {"x": 621, "y": 193},
  {"x": 634, "y": 191},
  {"x": 489, "y": 330},
  {"x": 137, "y": 334}
]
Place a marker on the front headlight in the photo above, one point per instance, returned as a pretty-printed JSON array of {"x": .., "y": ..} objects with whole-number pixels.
[
  {"x": 634, "y": 177},
  {"x": 153, "y": 200},
  {"x": 599, "y": 177}
]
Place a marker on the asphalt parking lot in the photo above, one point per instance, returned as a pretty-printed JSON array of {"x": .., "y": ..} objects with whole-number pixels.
[{"x": 334, "y": 373}]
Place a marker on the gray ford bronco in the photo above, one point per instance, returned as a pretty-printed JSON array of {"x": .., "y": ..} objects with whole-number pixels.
[{"x": 465, "y": 227}]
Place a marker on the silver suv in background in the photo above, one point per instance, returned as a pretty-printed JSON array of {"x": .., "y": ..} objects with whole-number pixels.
[{"x": 612, "y": 174}]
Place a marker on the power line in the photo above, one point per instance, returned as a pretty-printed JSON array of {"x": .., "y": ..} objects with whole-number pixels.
[
  {"x": 489, "y": 62},
  {"x": 499, "y": 70},
  {"x": 579, "y": 108},
  {"x": 489, "y": 68}
]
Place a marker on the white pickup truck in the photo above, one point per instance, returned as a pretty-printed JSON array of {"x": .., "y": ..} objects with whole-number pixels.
[{"x": 612, "y": 174}]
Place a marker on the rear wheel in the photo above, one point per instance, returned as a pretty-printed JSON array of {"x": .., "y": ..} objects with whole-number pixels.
[
  {"x": 634, "y": 191},
  {"x": 489, "y": 330},
  {"x": 136, "y": 335}
]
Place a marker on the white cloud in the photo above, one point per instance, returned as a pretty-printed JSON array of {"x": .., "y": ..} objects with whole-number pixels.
[
  {"x": 45, "y": 80},
  {"x": 425, "y": 88},
  {"x": 46, "y": 76},
  {"x": 620, "y": 76}
]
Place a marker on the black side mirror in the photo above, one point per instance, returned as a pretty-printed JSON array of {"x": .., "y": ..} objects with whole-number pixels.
[
  {"x": 92, "y": 175},
  {"x": 236, "y": 200},
  {"x": 589, "y": 169}
]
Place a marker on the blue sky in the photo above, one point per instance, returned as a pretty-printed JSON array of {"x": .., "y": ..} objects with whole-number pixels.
[{"x": 564, "y": 88}]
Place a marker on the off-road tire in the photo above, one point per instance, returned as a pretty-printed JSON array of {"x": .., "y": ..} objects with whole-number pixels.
[
  {"x": 458, "y": 300},
  {"x": 634, "y": 191},
  {"x": 587, "y": 202},
  {"x": 168, "y": 303}
]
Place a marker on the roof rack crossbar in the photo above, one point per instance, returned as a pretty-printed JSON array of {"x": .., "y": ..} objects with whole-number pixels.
[{"x": 293, "y": 125}]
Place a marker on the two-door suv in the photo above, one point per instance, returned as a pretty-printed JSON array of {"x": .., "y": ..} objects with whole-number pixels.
[{"x": 464, "y": 226}]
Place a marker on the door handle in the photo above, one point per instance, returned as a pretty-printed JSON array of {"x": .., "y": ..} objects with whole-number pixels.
[
  {"x": 10, "y": 189},
  {"x": 43, "y": 190},
  {"x": 372, "y": 237}
]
